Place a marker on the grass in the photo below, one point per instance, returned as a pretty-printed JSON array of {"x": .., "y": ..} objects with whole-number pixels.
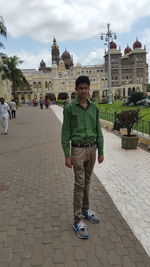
[
  {"x": 117, "y": 106},
  {"x": 107, "y": 112}
]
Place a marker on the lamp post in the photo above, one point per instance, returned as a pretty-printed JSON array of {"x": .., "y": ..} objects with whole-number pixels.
[{"x": 108, "y": 35}]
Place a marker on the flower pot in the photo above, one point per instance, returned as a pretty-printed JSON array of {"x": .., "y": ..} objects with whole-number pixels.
[{"x": 129, "y": 142}]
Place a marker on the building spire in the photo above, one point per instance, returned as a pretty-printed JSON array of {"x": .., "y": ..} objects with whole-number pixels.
[
  {"x": 55, "y": 54},
  {"x": 54, "y": 41}
]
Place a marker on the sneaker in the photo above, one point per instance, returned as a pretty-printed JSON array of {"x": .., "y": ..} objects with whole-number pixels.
[
  {"x": 80, "y": 229},
  {"x": 90, "y": 215}
]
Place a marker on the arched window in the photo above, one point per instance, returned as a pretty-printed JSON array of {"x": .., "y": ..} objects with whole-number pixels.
[
  {"x": 46, "y": 85},
  {"x": 39, "y": 85},
  {"x": 34, "y": 85}
]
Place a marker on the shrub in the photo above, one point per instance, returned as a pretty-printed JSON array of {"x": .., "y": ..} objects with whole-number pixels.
[
  {"x": 128, "y": 118},
  {"x": 136, "y": 96}
]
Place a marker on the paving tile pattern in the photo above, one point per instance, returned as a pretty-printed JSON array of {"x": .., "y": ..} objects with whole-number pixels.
[{"x": 36, "y": 204}]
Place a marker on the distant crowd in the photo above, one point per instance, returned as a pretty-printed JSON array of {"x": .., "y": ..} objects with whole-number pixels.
[
  {"x": 8, "y": 110},
  {"x": 41, "y": 102}
]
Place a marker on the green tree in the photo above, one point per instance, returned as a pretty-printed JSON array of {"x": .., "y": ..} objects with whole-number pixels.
[
  {"x": 3, "y": 30},
  {"x": 12, "y": 73}
]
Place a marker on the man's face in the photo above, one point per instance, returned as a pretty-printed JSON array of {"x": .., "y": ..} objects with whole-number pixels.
[
  {"x": 2, "y": 100},
  {"x": 83, "y": 90}
]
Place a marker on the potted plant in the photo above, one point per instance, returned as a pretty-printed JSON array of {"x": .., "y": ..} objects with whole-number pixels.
[{"x": 127, "y": 119}]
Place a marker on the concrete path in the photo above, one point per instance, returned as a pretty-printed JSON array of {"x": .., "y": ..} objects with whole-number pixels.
[{"x": 36, "y": 214}]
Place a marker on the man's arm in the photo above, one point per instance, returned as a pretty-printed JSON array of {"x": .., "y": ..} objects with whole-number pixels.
[
  {"x": 9, "y": 114},
  {"x": 8, "y": 109},
  {"x": 65, "y": 137},
  {"x": 99, "y": 139}
]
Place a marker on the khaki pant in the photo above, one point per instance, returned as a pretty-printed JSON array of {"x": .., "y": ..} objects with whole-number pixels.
[{"x": 83, "y": 160}]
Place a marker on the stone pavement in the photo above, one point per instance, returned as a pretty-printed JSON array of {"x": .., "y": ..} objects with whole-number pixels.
[{"x": 36, "y": 192}]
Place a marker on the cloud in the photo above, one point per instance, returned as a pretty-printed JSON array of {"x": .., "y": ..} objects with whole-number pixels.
[
  {"x": 95, "y": 57},
  {"x": 69, "y": 19},
  {"x": 145, "y": 39},
  {"x": 32, "y": 61}
]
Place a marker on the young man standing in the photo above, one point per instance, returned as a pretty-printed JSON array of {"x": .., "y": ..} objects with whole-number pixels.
[
  {"x": 81, "y": 126},
  {"x": 4, "y": 111}
]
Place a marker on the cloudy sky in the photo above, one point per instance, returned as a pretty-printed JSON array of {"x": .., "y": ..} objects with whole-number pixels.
[{"x": 76, "y": 25}]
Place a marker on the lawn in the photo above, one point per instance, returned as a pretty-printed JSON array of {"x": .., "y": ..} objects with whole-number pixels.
[
  {"x": 117, "y": 106},
  {"x": 107, "y": 112}
]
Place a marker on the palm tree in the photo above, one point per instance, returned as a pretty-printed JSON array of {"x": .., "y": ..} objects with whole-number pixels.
[
  {"x": 3, "y": 30},
  {"x": 12, "y": 73}
]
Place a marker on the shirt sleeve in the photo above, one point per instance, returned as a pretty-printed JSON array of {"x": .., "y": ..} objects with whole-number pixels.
[
  {"x": 65, "y": 134},
  {"x": 99, "y": 139}
]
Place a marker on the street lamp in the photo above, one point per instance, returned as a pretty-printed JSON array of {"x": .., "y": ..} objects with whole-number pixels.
[{"x": 108, "y": 35}]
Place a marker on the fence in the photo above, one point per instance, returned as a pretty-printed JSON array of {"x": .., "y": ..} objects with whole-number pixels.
[{"x": 143, "y": 126}]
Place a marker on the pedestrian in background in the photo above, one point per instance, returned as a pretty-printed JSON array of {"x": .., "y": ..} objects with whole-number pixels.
[
  {"x": 81, "y": 126},
  {"x": 13, "y": 108},
  {"x": 46, "y": 103},
  {"x": 41, "y": 102},
  {"x": 4, "y": 112}
]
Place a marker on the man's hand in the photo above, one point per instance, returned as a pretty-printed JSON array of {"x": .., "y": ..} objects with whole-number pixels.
[
  {"x": 68, "y": 162},
  {"x": 9, "y": 114},
  {"x": 100, "y": 158}
]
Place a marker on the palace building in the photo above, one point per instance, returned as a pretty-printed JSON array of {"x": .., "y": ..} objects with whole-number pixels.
[{"x": 129, "y": 72}]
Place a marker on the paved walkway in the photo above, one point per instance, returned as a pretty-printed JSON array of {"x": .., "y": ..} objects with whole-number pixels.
[{"x": 36, "y": 203}]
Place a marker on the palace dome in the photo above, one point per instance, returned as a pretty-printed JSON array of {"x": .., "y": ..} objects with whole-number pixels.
[
  {"x": 137, "y": 44},
  {"x": 113, "y": 45},
  {"x": 127, "y": 50},
  {"x": 65, "y": 55}
]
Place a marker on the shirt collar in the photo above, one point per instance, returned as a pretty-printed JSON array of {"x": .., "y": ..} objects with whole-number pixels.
[{"x": 77, "y": 101}]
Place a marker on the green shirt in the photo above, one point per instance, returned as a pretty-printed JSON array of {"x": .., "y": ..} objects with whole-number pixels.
[{"x": 81, "y": 125}]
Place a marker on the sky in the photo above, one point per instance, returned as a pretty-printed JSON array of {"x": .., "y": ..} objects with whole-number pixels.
[{"x": 77, "y": 26}]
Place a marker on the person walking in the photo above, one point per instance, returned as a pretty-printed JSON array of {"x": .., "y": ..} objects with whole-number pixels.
[
  {"x": 46, "y": 103},
  {"x": 81, "y": 126},
  {"x": 4, "y": 111},
  {"x": 13, "y": 108},
  {"x": 41, "y": 102}
]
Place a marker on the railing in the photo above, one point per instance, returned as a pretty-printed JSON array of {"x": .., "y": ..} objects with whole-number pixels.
[
  {"x": 108, "y": 116},
  {"x": 143, "y": 126}
]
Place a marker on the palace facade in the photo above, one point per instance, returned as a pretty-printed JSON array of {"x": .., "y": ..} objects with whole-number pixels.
[{"x": 129, "y": 72}]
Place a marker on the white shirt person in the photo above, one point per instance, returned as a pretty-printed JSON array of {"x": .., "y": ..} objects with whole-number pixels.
[{"x": 4, "y": 114}]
